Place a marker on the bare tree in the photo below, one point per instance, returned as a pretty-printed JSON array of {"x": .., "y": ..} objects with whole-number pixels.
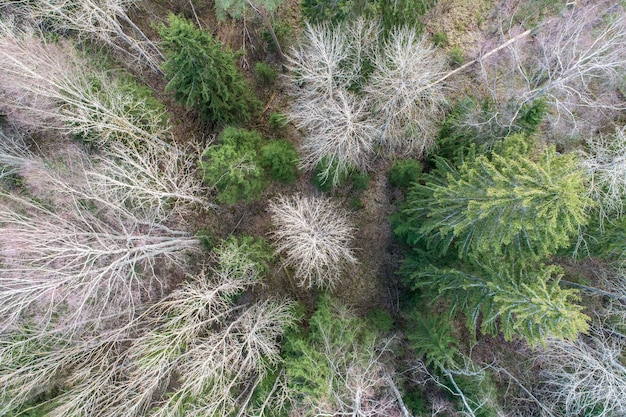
[
  {"x": 180, "y": 320},
  {"x": 317, "y": 62},
  {"x": 217, "y": 350},
  {"x": 315, "y": 235},
  {"x": 584, "y": 376},
  {"x": 153, "y": 177},
  {"x": 81, "y": 247},
  {"x": 574, "y": 63},
  {"x": 338, "y": 123},
  {"x": 404, "y": 93},
  {"x": 33, "y": 363},
  {"x": 105, "y": 21},
  {"x": 91, "y": 264},
  {"x": 347, "y": 114},
  {"x": 48, "y": 86},
  {"x": 341, "y": 134},
  {"x": 605, "y": 162},
  {"x": 15, "y": 155},
  {"x": 220, "y": 370},
  {"x": 361, "y": 386}
]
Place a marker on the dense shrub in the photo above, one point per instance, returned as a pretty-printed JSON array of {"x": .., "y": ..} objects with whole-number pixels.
[
  {"x": 357, "y": 180},
  {"x": 232, "y": 167},
  {"x": 265, "y": 73},
  {"x": 277, "y": 120},
  {"x": 279, "y": 158}
]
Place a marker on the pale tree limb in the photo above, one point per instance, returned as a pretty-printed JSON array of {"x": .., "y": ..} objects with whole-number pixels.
[
  {"x": 48, "y": 86},
  {"x": 314, "y": 235},
  {"x": 102, "y": 20}
]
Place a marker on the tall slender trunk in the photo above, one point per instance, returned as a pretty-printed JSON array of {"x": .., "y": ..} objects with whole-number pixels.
[{"x": 266, "y": 19}]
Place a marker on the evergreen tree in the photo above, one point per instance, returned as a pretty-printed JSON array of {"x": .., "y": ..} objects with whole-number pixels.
[
  {"x": 232, "y": 166},
  {"x": 527, "y": 302},
  {"x": 203, "y": 74},
  {"x": 518, "y": 202}
]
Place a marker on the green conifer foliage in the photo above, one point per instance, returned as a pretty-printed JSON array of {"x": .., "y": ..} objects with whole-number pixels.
[
  {"x": 203, "y": 74},
  {"x": 232, "y": 166},
  {"x": 279, "y": 158},
  {"x": 516, "y": 300},
  {"x": 432, "y": 338},
  {"x": 517, "y": 202}
]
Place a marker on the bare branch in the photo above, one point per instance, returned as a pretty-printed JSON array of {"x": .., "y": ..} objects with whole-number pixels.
[
  {"x": 48, "y": 86},
  {"x": 406, "y": 90},
  {"x": 585, "y": 376},
  {"x": 314, "y": 234},
  {"x": 103, "y": 20}
]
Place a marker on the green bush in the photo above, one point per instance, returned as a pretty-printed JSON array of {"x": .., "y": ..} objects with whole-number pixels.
[
  {"x": 239, "y": 165},
  {"x": 471, "y": 122},
  {"x": 282, "y": 31},
  {"x": 531, "y": 115},
  {"x": 319, "y": 11},
  {"x": 416, "y": 403},
  {"x": 456, "y": 56},
  {"x": 432, "y": 338},
  {"x": 359, "y": 181},
  {"x": 479, "y": 389},
  {"x": 380, "y": 320},
  {"x": 317, "y": 356},
  {"x": 206, "y": 239},
  {"x": 237, "y": 253},
  {"x": 279, "y": 158},
  {"x": 277, "y": 120},
  {"x": 356, "y": 203},
  {"x": 400, "y": 13},
  {"x": 232, "y": 166},
  {"x": 265, "y": 73},
  {"x": 325, "y": 184},
  {"x": 405, "y": 172},
  {"x": 203, "y": 74},
  {"x": 440, "y": 39}
]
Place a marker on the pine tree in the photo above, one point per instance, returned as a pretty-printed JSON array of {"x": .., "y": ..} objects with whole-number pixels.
[{"x": 203, "y": 74}]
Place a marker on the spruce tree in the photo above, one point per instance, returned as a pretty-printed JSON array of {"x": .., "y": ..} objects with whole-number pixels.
[
  {"x": 203, "y": 74},
  {"x": 513, "y": 299},
  {"x": 518, "y": 202}
]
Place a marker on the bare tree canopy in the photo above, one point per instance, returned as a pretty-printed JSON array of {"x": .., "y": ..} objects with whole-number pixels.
[
  {"x": 315, "y": 236},
  {"x": 349, "y": 115}
]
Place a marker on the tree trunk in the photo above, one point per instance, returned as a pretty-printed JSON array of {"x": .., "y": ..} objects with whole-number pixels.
[{"x": 266, "y": 19}]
